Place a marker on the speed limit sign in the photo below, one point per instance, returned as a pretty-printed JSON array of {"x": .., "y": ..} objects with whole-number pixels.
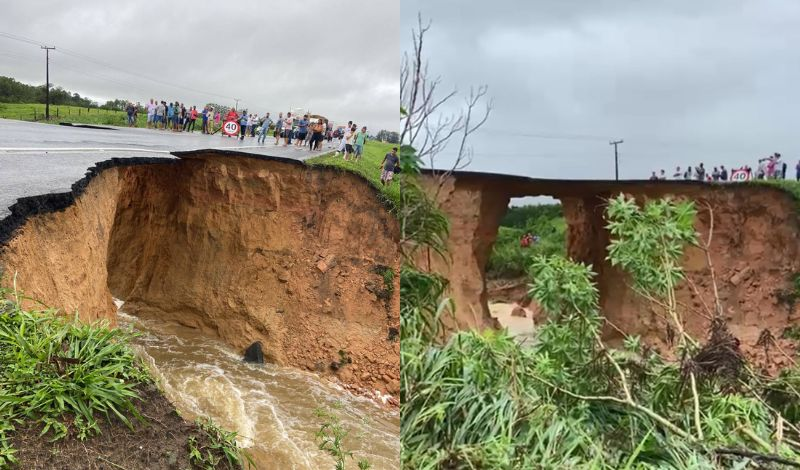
[
  {"x": 740, "y": 175},
  {"x": 230, "y": 128}
]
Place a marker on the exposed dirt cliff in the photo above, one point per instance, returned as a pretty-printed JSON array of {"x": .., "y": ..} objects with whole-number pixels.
[
  {"x": 754, "y": 251},
  {"x": 245, "y": 248}
]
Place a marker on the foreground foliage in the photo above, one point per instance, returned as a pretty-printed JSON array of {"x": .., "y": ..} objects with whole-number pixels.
[
  {"x": 54, "y": 367},
  {"x": 483, "y": 400},
  {"x": 220, "y": 451},
  {"x": 331, "y": 436},
  {"x": 65, "y": 376}
]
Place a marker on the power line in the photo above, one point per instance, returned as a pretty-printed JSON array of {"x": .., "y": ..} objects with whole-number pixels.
[
  {"x": 545, "y": 135},
  {"x": 78, "y": 55}
]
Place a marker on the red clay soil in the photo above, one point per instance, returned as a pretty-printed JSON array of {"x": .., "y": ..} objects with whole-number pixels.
[
  {"x": 160, "y": 442},
  {"x": 755, "y": 251},
  {"x": 242, "y": 248}
]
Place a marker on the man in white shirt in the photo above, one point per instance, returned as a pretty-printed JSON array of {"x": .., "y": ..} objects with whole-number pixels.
[
  {"x": 287, "y": 129},
  {"x": 151, "y": 112}
]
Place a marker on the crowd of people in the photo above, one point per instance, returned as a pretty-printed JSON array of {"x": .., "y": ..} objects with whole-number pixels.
[
  {"x": 305, "y": 131},
  {"x": 771, "y": 167}
]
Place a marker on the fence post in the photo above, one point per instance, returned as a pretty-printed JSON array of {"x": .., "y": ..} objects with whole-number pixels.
[
  {"x": 34, "y": 114},
  {"x": 56, "y": 112}
]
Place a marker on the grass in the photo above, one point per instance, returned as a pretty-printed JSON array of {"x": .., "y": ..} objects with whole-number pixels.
[
  {"x": 64, "y": 376},
  {"x": 75, "y": 114},
  {"x": 62, "y": 373},
  {"x": 368, "y": 167},
  {"x": 35, "y": 112}
]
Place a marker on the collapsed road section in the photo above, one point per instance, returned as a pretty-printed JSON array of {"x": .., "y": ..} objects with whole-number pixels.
[
  {"x": 303, "y": 259},
  {"x": 754, "y": 249}
]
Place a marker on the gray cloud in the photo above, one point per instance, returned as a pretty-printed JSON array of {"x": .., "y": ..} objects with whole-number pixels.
[
  {"x": 680, "y": 81},
  {"x": 338, "y": 59}
]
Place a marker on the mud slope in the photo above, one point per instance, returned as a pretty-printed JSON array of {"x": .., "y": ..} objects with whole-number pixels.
[
  {"x": 242, "y": 247},
  {"x": 755, "y": 250}
]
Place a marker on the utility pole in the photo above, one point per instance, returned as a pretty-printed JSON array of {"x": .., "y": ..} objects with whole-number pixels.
[
  {"x": 616, "y": 158},
  {"x": 47, "y": 75},
  {"x": 237, "y": 102}
]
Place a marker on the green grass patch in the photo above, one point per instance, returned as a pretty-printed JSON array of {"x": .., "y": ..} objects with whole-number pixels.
[
  {"x": 789, "y": 186},
  {"x": 75, "y": 114},
  {"x": 64, "y": 376},
  {"x": 368, "y": 167},
  {"x": 508, "y": 258},
  {"x": 62, "y": 373}
]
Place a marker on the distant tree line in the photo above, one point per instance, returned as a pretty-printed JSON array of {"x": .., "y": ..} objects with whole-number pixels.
[
  {"x": 12, "y": 91},
  {"x": 388, "y": 136}
]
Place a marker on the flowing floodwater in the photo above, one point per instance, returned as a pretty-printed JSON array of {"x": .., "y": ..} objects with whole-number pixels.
[{"x": 271, "y": 407}]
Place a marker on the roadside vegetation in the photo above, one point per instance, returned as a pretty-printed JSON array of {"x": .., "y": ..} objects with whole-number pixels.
[
  {"x": 509, "y": 259},
  {"x": 66, "y": 381},
  {"x": 65, "y": 113},
  {"x": 368, "y": 167}
]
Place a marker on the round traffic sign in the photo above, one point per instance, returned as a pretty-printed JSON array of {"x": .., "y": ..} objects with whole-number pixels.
[
  {"x": 740, "y": 175},
  {"x": 230, "y": 128}
]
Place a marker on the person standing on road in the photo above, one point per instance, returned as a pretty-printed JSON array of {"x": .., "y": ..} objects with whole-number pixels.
[
  {"x": 316, "y": 135},
  {"x": 243, "y": 125},
  {"x": 192, "y": 118},
  {"x": 302, "y": 131},
  {"x": 389, "y": 166},
  {"x": 250, "y": 122},
  {"x": 217, "y": 119},
  {"x": 360, "y": 139},
  {"x": 129, "y": 110},
  {"x": 170, "y": 116},
  {"x": 262, "y": 136},
  {"x": 204, "y": 115},
  {"x": 287, "y": 129},
  {"x": 151, "y": 111},
  {"x": 278, "y": 128}
]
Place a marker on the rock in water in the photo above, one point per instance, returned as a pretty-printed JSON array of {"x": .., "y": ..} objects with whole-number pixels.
[{"x": 254, "y": 353}]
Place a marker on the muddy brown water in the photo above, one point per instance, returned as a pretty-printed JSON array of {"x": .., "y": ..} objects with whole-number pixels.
[
  {"x": 271, "y": 407},
  {"x": 522, "y": 328}
]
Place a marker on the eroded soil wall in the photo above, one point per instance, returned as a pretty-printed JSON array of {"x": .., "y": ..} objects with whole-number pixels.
[
  {"x": 248, "y": 249},
  {"x": 754, "y": 251}
]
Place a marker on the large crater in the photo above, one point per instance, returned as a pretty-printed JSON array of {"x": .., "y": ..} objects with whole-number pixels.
[{"x": 242, "y": 247}]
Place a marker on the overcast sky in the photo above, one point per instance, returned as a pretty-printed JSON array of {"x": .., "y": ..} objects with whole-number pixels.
[
  {"x": 680, "y": 81},
  {"x": 338, "y": 59}
]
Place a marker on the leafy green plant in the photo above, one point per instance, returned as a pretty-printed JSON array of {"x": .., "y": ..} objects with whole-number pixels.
[
  {"x": 331, "y": 436},
  {"x": 54, "y": 368},
  {"x": 220, "y": 446}
]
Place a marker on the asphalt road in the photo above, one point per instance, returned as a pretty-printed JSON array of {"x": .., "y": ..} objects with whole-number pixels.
[{"x": 38, "y": 158}]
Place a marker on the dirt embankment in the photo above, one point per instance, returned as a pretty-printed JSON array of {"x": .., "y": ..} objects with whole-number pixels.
[
  {"x": 754, "y": 251},
  {"x": 244, "y": 248}
]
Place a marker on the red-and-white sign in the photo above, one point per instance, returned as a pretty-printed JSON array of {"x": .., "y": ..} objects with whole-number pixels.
[
  {"x": 230, "y": 128},
  {"x": 740, "y": 175}
]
